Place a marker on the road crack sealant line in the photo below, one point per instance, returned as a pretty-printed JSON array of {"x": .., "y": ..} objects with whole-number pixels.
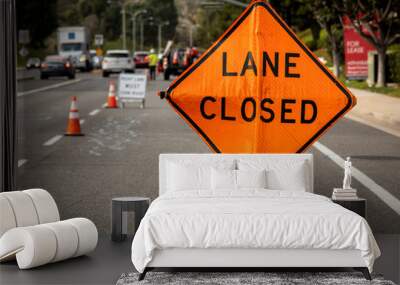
[
  {"x": 94, "y": 112},
  {"x": 56, "y": 138},
  {"x": 375, "y": 188},
  {"x": 53, "y": 140},
  {"x": 49, "y": 87},
  {"x": 22, "y": 162}
]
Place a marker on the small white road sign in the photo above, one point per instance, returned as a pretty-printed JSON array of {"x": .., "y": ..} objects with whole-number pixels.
[
  {"x": 23, "y": 37},
  {"x": 132, "y": 88},
  {"x": 98, "y": 39},
  {"x": 23, "y": 51}
]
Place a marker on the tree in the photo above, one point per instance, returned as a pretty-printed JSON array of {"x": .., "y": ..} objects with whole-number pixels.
[
  {"x": 299, "y": 17},
  {"x": 329, "y": 19},
  {"x": 39, "y": 17},
  {"x": 157, "y": 12},
  {"x": 111, "y": 22},
  {"x": 212, "y": 22},
  {"x": 377, "y": 22},
  {"x": 68, "y": 13}
]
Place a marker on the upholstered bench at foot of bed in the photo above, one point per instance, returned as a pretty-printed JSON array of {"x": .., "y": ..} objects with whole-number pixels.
[{"x": 44, "y": 243}]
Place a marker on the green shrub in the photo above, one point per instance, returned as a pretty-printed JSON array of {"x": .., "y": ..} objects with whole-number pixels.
[
  {"x": 393, "y": 60},
  {"x": 323, "y": 52},
  {"x": 307, "y": 39}
]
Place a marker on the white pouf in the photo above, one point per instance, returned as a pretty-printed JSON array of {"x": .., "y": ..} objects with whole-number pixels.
[
  {"x": 67, "y": 240},
  {"x": 31, "y": 232},
  {"x": 46, "y": 207},
  {"x": 7, "y": 220},
  {"x": 87, "y": 233}
]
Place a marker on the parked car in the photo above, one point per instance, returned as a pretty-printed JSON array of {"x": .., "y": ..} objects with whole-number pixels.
[
  {"x": 173, "y": 63},
  {"x": 141, "y": 59},
  {"x": 116, "y": 61},
  {"x": 177, "y": 60},
  {"x": 56, "y": 65},
  {"x": 33, "y": 62}
]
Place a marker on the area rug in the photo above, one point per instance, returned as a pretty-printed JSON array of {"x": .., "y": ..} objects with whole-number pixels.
[{"x": 243, "y": 278}]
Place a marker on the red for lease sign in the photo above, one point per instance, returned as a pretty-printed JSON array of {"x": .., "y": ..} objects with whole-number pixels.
[{"x": 355, "y": 52}]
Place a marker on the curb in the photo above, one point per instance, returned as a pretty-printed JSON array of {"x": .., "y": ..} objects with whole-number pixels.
[
  {"x": 377, "y": 125},
  {"x": 26, "y": 78}
]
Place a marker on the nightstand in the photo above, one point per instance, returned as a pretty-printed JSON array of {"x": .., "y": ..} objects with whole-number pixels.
[
  {"x": 358, "y": 205},
  {"x": 120, "y": 207}
]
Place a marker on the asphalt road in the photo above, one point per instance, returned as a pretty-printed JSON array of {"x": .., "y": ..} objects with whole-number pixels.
[{"x": 118, "y": 155}]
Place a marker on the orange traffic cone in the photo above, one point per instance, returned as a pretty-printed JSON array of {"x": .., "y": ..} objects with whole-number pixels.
[
  {"x": 111, "y": 101},
  {"x": 74, "y": 126}
]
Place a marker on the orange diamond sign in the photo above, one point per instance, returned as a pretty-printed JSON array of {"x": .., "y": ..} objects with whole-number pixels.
[{"x": 259, "y": 89}]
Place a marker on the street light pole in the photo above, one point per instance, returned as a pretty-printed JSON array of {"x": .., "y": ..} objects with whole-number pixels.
[
  {"x": 141, "y": 33},
  {"x": 123, "y": 12},
  {"x": 133, "y": 34},
  {"x": 141, "y": 30},
  {"x": 159, "y": 37},
  {"x": 133, "y": 19},
  {"x": 160, "y": 25}
]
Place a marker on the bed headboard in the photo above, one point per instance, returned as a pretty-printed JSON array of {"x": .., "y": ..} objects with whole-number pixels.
[{"x": 166, "y": 157}]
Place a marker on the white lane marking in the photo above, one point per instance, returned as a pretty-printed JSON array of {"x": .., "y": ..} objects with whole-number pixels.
[
  {"x": 94, "y": 112},
  {"x": 82, "y": 121},
  {"x": 21, "y": 162},
  {"x": 378, "y": 190},
  {"x": 104, "y": 105},
  {"x": 49, "y": 87},
  {"x": 53, "y": 140}
]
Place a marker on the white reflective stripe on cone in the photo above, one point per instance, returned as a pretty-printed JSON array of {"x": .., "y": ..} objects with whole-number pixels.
[
  {"x": 112, "y": 87},
  {"x": 73, "y": 115},
  {"x": 73, "y": 105}
]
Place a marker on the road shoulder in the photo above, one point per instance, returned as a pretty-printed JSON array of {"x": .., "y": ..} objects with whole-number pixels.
[{"x": 376, "y": 110}]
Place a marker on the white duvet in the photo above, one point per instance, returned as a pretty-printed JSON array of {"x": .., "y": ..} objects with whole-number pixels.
[{"x": 252, "y": 218}]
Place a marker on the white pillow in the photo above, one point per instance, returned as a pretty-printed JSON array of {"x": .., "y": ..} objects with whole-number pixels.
[
  {"x": 251, "y": 178},
  {"x": 291, "y": 179},
  {"x": 223, "y": 179},
  {"x": 194, "y": 174},
  {"x": 281, "y": 174},
  {"x": 188, "y": 177}
]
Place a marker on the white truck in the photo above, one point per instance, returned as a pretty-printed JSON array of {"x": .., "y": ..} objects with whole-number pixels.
[{"x": 73, "y": 42}]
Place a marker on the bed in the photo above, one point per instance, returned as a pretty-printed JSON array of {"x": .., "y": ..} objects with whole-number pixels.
[{"x": 247, "y": 211}]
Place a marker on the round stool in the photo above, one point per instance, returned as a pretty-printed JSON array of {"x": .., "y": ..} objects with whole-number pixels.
[{"x": 120, "y": 206}]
